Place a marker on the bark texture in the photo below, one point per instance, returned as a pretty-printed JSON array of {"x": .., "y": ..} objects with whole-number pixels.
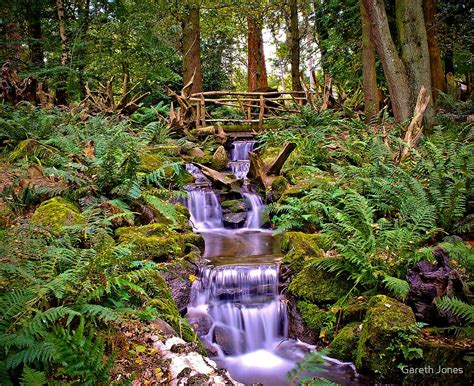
[
  {"x": 33, "y": 21},
  {"x": 414, "y": 46},
  {"x": 61, "y": 95},
  {"x": 437, "y": 74},
  {"x": 257, "y": 72},
  {"x": 369, "y": 75},
  {"x": 192, "y": 47},
  {"x": 393, "y": 66},
  {"x": 295, "y": 46}
]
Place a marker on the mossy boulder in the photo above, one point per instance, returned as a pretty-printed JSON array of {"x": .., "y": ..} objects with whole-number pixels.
[
  {"x": 378, "y": 349},
  {"x": 299, "y": 247},
  {"x": 150, "y": 162},
  {"x": 318, "y": 286},
  {"x": 153, "y": 241},
  {"x": 234, "y": 206},
  {"x": 355, "y": 311},
  {"x": 279, "y": 185},
  {"x": 317, "y": 319},
  {"x": 220, "y": 159},
  {"x": 342, "y": 346},
  {"x": 57, "y": 213}
]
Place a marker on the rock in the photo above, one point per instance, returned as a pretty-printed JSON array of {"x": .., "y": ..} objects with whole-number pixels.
[
  {"x": 300, "y": 246},
  {"x": 234, "y": 206},
  {"x": 188, "y": 367},
  {"x": 316, "y": 319},
  {"x": 56, "y": 213},
  {"x": 160, "y": 325},
  {"x": 204, "y": 132},
  {"x": 353, "y": 312},
  {"x": 318, "y": 286},
  {"x": 293, "y": 351},
  {"x": 197, "y": 153},
  {"x": 235, "y": 220},
  {"x": 297, "y": 329},
  {"x": 200, "y": 321},
  {"x": 176, "y": 274},
  {"x": 231, "y": 341},
  {"x": 429, "y": 281},
  {"x": 378, "y": 349},
  {"x": 150, "y": 162},
  {"x": 342, "y": 346},
  {"x": 153, "y": 241},
  {"x": 211, "y": 349},
  {"x": 220, "y": 159},
  {"x": 279, "y": 185}
]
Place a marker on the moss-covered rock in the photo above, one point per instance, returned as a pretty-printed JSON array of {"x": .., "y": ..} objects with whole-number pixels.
[
  {"x": 220, "y": 159},
  {"x": 150, "y": 162},
  {"x": 234, "y": 206},
  {"x": 378, "y": 349},
  {"x": 279, "y": 185},
  {"x": 317, "y": 286},
  {"x": 355, "y": 311},
  {"x": 299, "y": 247},
  {"x": 342, "y": 346},
  {"x": 317, "y": 319},
  {"x": 57, "y": 213},
  {"x": 153, "y": 241}
]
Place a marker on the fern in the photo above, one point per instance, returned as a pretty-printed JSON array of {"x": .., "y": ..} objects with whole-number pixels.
[
  {"x": 457, "y": 307},
  {"x": 397, "y": 286},
  {"x": 31, "y": 377}
]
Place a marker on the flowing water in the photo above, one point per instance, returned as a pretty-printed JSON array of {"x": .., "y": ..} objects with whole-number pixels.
[
  {"x": 239, "y": 158},
  {"x": 236, "y": 306}
]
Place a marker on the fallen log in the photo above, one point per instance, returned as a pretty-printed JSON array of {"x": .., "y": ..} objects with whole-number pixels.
[
  {"x": 216, "y": 177},
  {"x": 263, "y": 174}
]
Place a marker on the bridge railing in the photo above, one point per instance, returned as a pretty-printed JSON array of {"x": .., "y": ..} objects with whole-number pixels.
[{"x": 252, "y": 108}]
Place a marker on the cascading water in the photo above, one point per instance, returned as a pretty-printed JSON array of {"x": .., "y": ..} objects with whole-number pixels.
[
  {"x": 239, "y": 158},
  {"x": 254, "y": 214},
  {"x": 204, "y": 209}
]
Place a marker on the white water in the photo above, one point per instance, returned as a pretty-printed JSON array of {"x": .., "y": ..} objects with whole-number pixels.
[
  {"x": 254, "y": 215},
  {"x": 239, "y": 156},
  {"x": 204, "y": 209},
  {"x": 239, "y": 169}
]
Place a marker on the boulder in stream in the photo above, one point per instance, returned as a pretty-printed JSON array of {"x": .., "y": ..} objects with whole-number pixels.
[
  {"x": 235, "y": 220},
  {"x": 231, "y": 341}
]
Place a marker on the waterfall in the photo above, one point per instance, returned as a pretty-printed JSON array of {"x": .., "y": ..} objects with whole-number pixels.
[
  {"x": 254, "y": 215},
  {"x": 241, "y": 150},
  {"x": 239, "y": 156},
  {"x": 244, "y": 304},
  {"x": 204, "y": 209}
]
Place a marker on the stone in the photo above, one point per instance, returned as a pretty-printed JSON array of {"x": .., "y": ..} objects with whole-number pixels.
[
  {"x": 342, "y": 346},
  {"x": 220, "y": 159},
  {"x": 231, "y": 341},
  {"x": 235, "y": 220},
  {"x": 299, "y": 247},
  {"x": 197, "y": 153},
  {"x": 200, "y": 322},
  {"x": 316, "y": 319},
  {"x": 57, "y": 213},
  {"x": 319, "y": 287},
  {"x": 163, "y": 327},
  {"x": 378, "y": 349},
  {"x": 297, "y": 328},
  {"x": 429, "y": 281},
  {"x": 234, "y": 206}
]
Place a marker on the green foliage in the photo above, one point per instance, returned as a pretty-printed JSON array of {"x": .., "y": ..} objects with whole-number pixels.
[
  {"x": 312, "y": 363},
  {"x": 457, "y": 307}
]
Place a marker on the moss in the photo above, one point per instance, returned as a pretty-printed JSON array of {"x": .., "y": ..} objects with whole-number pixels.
[
  {"x": 355, "y": 311},
  {"x": 150, "y": 162},
  {"x": 313, "y": 316},
  {"x": 169, "y": 312},
  {"x": 317, "y": 286},
  {"x": 269, "y": 154},
  {"x": 171, "y": 150},
  {"x": 220, "y": 159},
  {"x": 279, "y": 185},
  {"x": 378, "y": 346},
  {"x": 299, "y": 247},
  {"x": 342, "y": 346},
  {"x": 57, "y": 213},
  {"x": 182, "y": 217},
  {"x": 153, "y": 241},
  {"x": 234, "y": 206}
]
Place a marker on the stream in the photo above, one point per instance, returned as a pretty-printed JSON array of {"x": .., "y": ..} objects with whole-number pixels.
[{"x": 236, "y": 304}]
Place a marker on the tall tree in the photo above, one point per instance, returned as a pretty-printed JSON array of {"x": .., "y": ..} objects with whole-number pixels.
[
  {"x": 191, "y": 46},
  {"x": 369, "y": 74},
  {"x": 62, "y": 86},
  {"x": 436, "y": 66},
  {"x": 405, "y": 74},
  {"x": 257, "y": 72},
  {"x": 294, "y": 46},
  {"x": 33, "y": 10}
]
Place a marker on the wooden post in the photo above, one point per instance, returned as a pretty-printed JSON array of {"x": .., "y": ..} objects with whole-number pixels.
[
  {"x": 262, "y": 111},
  {"x": 203, "y": 111},
  {"x": 197, "y": 114}
]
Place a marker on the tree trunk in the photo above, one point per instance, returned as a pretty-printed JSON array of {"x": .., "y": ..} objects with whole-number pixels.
[
  {"x": 369, "y": 74},
  {"x": 295, "y": 46},
  {"x": 415, "y": 54},
  {"x": 437, "y": 73},
  {"x": 393, "y": 66},
  {"x": 61, "y": 93},
  {"x": 84, "y": 17},
  {"x": 257, "y": 72},
  {"x": 192, "y": 46},
  {"x": 33, "y": 21},
  {"x": 13, "y": 48}
]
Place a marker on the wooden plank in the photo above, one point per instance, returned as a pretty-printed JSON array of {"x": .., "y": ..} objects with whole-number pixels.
[{"x": 262, "y": 111}]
